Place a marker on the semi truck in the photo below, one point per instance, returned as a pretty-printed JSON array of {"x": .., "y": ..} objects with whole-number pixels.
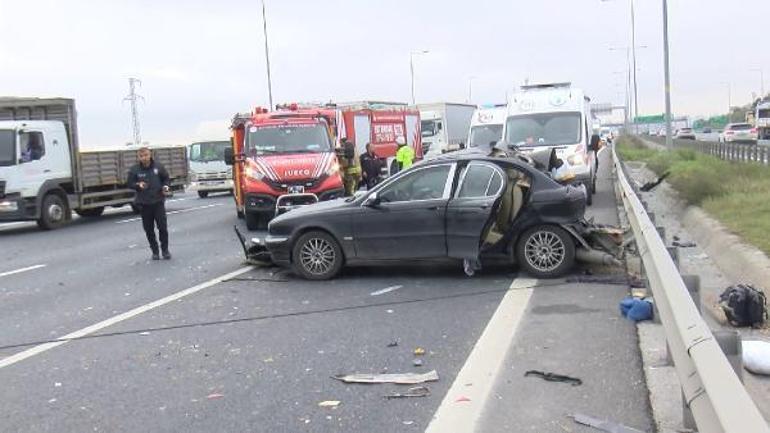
[
  {"x": 762, "y": 120},
  {"x": 292, "y": 156},
  {"x": 45, "y": 175},
  {"x": 444, "y": 126},
  {"x": 208, "y": 171}
]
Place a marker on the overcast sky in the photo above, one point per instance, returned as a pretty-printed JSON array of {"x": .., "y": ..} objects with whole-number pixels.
[{"x": 200, "y": 61}]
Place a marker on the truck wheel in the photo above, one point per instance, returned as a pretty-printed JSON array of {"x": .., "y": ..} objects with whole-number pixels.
[
  {"x": 93, "y": 212},
  {"x": 546, "y": 251},
  {"x": 317, "y": 256},
  {"x": 257, "y": 220},
  {"x": 203, "y": 194},
  {"x": 54, "y": 212}
]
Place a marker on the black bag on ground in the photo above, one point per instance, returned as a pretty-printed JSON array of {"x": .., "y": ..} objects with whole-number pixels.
[{"x": 744, "y": 305}]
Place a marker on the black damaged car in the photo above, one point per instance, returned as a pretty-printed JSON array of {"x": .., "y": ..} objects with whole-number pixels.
[{"x": 463, "y": 205}]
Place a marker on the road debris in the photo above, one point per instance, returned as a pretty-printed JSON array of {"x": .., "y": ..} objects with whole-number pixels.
[
  {"x": 462, "y": 399},
  {"x": 215, "y": 396},
  {"x": 385, "y": 290},
  {"x": 415, "y": 391},
  {"x": 417, "y": 362},
  {"x": 553, "y": 377},
  {"x": 647, "y": 187},
  {"x": 329, "y": 403},
  {"x": 419, "y": 351},
  {"x": 393, "y": 344},
  {"x": 684, "y": 244},
  {"x": 407, "y": 422},
  {"x": 398, "y": 378},
  {"x": 603, "y": 425},
  {"x": 636, "y": 309},
  {"x": 756, "y": 357}
]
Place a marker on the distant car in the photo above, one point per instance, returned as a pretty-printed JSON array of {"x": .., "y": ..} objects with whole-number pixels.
[
  {"x": 685, "y": 134},
  {"x": 706, "y": 131},
  {"x": 738, "y": 132},
  {"x": 662, "y": 133},
  {"x": 460, "y": 205}
]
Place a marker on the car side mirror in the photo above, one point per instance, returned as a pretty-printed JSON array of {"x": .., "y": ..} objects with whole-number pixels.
[
  {"x": 229, "y": 156},
  {"x": 372, "y": 201},
  {"x": 595, "y": 140}
]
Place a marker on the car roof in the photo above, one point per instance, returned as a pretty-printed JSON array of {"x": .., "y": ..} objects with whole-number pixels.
[{"x": 469, "y": 155}]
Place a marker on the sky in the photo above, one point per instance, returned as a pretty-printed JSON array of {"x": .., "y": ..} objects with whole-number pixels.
[{"x": 201, "y": 61}]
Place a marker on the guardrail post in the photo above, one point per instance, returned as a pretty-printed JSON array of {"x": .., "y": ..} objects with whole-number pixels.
[
  {"x": 692, "y": 282},
  {"x": 661, "y": 232},
  {"x": 651, "y": 215},
  {"x": 674, "y": 253}
]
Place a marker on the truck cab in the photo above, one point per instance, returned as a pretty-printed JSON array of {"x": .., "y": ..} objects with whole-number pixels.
[
  {"x": 762, "y": 120},
  {"x": 283, "y": 159},
  {"x": 208, "y": 171},
  {"x": 444, "y": 126},
  {"x": 556, "y": 116}
]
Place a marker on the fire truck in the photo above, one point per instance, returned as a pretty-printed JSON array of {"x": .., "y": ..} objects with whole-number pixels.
[{"x": 292, "y": 156}]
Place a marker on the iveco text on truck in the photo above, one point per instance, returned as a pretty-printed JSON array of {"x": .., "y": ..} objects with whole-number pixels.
[{"x": 44, "y": 174}]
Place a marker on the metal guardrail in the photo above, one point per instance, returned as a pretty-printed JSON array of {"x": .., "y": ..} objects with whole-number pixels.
[
  {"x": 711, "y": 388},
  {"x": 737, "y": 152}
]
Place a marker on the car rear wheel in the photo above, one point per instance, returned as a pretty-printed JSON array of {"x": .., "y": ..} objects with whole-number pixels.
[
  {"x": 546, "y": 251},
  {"x": 203, "y": 194},
  {"x": 317, "y": 256}
]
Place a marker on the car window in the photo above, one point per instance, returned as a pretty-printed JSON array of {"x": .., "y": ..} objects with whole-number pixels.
[
  {"x": 423, "y": 184},
  {"x": 479, "y": 181}
]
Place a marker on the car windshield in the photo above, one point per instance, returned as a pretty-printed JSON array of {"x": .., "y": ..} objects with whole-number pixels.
[
  {"x": 764, "y": 113},
  {"x": 483, "y": 135},
  {"x": 7, "y": 147},
  {"x": 265, "y": 140},
  {"x": 545, "y": 129},
  {"x": 428, "y": 128},
  {"x": 740, "y": 127},
  {"x": 208, "y": 151}
]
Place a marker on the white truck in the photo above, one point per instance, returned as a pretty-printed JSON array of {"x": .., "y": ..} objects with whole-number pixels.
[
  {"x": 762, "y": 120},
  {"x": 44, "y": 175},
  {"x": 558, "y": 116},
  {"x": 444, "y": 126},
  {"x": 208, "y": 170},
  {"x": 486, "y": 126}
]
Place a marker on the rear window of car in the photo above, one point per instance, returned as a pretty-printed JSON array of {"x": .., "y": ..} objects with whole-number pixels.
[
  {"x": 686, "y": 129},
  {"x": 740, "y": 126}
]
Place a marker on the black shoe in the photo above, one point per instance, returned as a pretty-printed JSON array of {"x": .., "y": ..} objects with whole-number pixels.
[
  {"x": 166, "y": 255},
  {"x": 155, "y": 256}
]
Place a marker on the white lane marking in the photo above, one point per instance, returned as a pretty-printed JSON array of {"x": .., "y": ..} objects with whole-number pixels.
[
  {"x": 172, "y": 212},
  {"x": 483, "y": 364},
  {"x": 385, "y": 290},
  {"x": 13, "y": 359},
  {"x": 18, "y": 271}
]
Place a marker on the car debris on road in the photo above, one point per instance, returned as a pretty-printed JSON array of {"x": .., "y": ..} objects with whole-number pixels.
[
  {"x": 397, "y": 378},
  {"x": 553, "y": 377},
  {"x": 415, "y": 391}
]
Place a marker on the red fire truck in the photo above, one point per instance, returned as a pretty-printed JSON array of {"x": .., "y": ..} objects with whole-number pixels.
[{"x": 289, "y": 157}]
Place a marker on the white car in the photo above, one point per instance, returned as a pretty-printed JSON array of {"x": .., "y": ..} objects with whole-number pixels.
[{"x": 738, "y": 132}]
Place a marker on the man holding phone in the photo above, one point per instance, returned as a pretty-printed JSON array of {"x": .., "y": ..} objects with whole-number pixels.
[{"x": 151, "y": 182}]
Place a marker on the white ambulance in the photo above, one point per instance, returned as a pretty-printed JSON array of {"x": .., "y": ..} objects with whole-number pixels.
[
  {"x": 557, "y": 116},
  {"x": 486, "y": 126}
]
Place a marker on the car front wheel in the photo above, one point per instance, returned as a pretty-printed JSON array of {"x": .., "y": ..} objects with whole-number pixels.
[
  {"x": 546, "y": 251},
  {"x": 317, "y": 256}
]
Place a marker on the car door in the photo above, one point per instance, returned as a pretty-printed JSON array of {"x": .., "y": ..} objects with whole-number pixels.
[
  {"x": 406, "y": 221},
  {"x": 472, "y": 206}
]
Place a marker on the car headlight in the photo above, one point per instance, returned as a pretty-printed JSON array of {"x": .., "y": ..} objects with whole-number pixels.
[{"x": 253, "y": 173}]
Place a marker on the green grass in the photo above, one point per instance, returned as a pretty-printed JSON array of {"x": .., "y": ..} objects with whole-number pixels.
[{"x": 737, "y": 194}]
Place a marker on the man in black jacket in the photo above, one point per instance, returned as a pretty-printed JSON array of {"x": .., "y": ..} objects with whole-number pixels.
[
  {"x": 372, "y": 166},
  {"x": 151, "y": 182}
]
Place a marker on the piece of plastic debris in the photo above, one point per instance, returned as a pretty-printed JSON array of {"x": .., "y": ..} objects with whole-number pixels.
[
  {"x": 553, "y": 377},
  {"x": 214, "y": 396},
  {"x": 329, "y": 403},
  {"x": 417, "y": 362},
  {"x": 144, "y": 333},
  {"x": 57, "y": 384},
  {"x": 399, "y": 378},
  {"x": 415, "y": 391},
  {"x": 389, "y": 311},
  {"x": 53, "y": 400},
  {"x": 385, "y": 290},
  {"x": 603, "y": 425},
  {"x": 419, "y": 351},
  {"x": 407, "y": 422},
  {"x": 266, "y": 360},
  {"x": 393, "y": 344},
  {"x": 461, "y": 399},
  {"x": 684, "y": 244},
  {"x": 756, "y": 357}
]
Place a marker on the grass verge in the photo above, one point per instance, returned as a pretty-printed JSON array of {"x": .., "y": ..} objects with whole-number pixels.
[{"x": 737, "y": 194}]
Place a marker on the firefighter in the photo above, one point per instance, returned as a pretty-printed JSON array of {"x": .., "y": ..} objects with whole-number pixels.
[
  {"x": 405, "y": 154},
  {"x": 351, "y": 168}
]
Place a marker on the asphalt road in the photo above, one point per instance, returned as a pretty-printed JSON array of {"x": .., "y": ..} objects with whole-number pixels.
[{"x": 255, "y": 352}]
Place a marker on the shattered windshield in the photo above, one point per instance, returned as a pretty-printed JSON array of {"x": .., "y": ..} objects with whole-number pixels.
[
  {"x": 7, "y": 147},
  {"x": 208, "y": 151},
  {"x": 543, "y": 129},
  {"x": 483, "y": 135},
  {"x": 265, "y": 140}
]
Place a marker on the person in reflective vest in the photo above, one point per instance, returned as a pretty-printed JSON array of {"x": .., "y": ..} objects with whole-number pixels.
[{"x": 405, "y": 154}]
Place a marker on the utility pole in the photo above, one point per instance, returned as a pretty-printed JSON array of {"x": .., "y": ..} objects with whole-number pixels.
[
  {"x": 133, "y": 98},
  {"x": 470, "y": 89},
  {"x": 669, "y": 142},
  {"x": 633, "y": 55},
  {"x": 267, "y": 59},
  {"x": 411, "y": 68}
]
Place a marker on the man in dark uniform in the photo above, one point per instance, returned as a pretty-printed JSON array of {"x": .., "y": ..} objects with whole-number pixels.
[
  {"x": 151, "y": 182},
  {"x": 371, "y": 166}
]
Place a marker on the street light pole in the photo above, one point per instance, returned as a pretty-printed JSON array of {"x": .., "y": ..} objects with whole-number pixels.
[
  {"x": 669, "y": 142},
  {"x": 633, "y": 55},
  {"x": 411, "y": 69},
  {"x": 267, "y": 58},
  {"x": 762, "y": 81},
  {"x": 470, "y": 89}
]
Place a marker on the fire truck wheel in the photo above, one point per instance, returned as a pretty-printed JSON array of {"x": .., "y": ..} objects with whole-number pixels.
[{"x": 317, "y": 256}]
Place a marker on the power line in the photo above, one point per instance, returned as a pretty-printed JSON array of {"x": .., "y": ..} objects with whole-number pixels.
[{"x": 133, "y": 97}]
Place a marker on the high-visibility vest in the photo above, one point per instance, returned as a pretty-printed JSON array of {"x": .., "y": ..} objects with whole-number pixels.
[{"x": 405, "y": 156}]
